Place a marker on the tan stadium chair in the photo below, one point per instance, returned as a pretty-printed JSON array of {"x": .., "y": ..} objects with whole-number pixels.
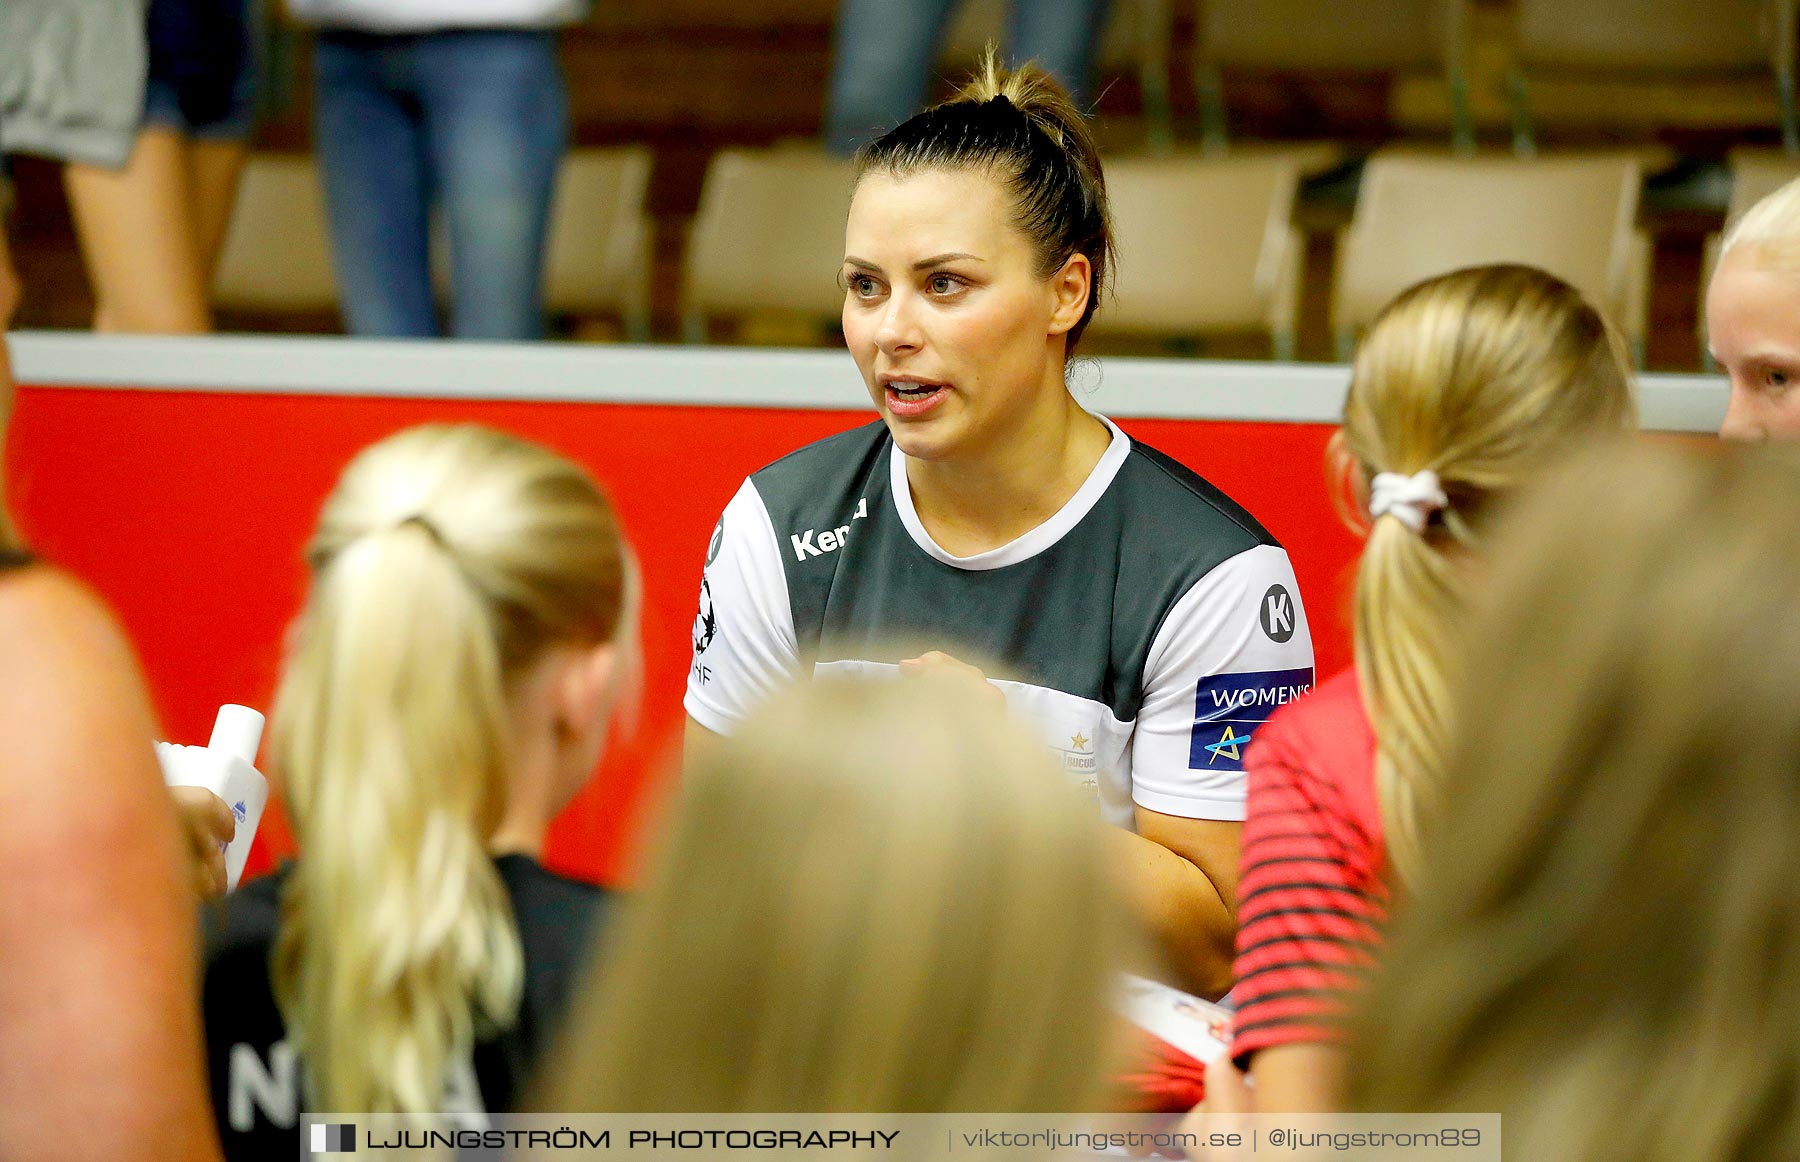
[
  {"x": 597, "y": 257},
  {"x": 1205, "y": 245},
  {"x": 1419, "y": 216},
  {"x": 1372, "y": 36},
  {"x": 277, "y": 253},
  {"x": 1136, "y": 39},
  {"x": 768, "y": 237},
  {"x": 1670, "y": 40}
]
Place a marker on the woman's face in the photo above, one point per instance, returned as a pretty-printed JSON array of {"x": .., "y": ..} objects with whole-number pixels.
[
  {"x": 1753, "y": 330},
  {"x": 957, "y": 337}
]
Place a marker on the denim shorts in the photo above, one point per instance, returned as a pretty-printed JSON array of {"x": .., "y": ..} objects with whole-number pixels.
[
  {"x": 199, "y": 79},
  {"x": 162, "y": 106}
]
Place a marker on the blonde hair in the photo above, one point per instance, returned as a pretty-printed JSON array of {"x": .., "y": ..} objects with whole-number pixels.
[
  {"x": 875, "y": 897},
  {"x": 1606, "y": 947},
  {"x": 1022, "y": 126},
  {"x": 444, "y": 563},
  {"x": 1772, "y": 229},
  {"x": 1478, "y": 376}
]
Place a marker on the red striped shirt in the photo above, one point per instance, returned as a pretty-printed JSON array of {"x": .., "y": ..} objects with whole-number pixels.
[{"x": 1312, "y": 893}]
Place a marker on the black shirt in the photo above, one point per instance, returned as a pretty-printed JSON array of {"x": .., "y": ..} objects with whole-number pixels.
[{"x": 257, "y": 1088}]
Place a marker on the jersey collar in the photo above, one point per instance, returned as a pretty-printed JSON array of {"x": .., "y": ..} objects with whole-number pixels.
[{"x": 1028, "y": 545}]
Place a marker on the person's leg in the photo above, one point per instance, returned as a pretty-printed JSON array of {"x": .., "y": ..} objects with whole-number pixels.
[
  {"x": 881, "y": 57},
  {"x": 1061, "y": 35},
  {"x": 369, "y": 142},
  {"x": 213, "y": 165},
  {"x": 136, "y": 236},
  {"x": 217, "y": 145},
  {"x": 496, "y": 117}
]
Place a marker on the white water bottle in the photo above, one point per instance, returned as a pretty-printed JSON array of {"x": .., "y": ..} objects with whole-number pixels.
[{"x": 226, "y": 766}]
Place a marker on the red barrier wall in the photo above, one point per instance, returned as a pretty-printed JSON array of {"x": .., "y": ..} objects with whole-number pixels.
[{"x": 188, "y": 511}]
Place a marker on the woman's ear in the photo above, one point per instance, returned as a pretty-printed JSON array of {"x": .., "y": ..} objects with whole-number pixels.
[
  {"x": 1348, "y": 483},
  {"x": 1070, "y": 288},
  {"x": 585, "y": 690}
]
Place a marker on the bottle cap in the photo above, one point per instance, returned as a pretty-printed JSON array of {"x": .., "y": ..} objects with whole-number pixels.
[{"x": 237, "y": 731}]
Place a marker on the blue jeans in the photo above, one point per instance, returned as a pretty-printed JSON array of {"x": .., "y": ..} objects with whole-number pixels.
[
  {"x": 885, "y": 49},
  {"x": 471, "y": 122}
]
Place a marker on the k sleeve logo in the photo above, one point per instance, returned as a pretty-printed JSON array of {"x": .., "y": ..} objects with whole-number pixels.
[
  {"x": 1229, "y": 707},
  {"x": 1278, "y": 614}
]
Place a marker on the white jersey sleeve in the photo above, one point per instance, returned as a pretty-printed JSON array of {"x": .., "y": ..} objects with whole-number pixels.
[
  {"x": 744, "y": 645},
  {"x": 1231, "y": 650}
]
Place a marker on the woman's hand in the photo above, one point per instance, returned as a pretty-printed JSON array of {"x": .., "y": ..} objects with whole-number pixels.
[
  {"x": 938, "y": 664},
  {"x": 208, "y": 825},
  {"x": 1227, "y": 1089},
  {"x": 1223, "y": 1110}
]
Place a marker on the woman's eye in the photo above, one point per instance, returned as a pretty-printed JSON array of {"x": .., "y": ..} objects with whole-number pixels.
[
  {"x": 861, "y": 285},
  {"x": 943, "y": 284},
  {"x": 1775, "y": 377}
]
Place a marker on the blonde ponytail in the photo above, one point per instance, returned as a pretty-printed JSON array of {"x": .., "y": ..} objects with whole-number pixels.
[
  {"x": 1405, "y": 616},
  {"x": 446, "y": 560},
  {"x": 1479, "y": 376}
]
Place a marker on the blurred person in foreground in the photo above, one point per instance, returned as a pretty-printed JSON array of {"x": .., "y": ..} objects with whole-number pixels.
[
  {"x": 875, "y": 897},
  {"x": 1605, "y": 944},
  {"x": 448, "y": 689},
  {"x": 100, "y": 1051},
  {"x": 1464, "y": 389},
  {"x": 1753, "y": 319}
]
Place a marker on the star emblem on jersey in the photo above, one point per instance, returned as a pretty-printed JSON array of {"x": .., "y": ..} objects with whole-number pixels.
[
  {"x": 1079, "y": 761},
  {"x": 1229, "y": 707},
  {"x": 1226, "y": 746}
]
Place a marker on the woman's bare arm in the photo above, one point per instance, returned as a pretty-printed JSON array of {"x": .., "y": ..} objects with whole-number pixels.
[{"x": 100, "y": 1046}]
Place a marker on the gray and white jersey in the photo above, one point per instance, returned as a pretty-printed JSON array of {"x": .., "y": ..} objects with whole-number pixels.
[{"x": 1147, "y": 628}]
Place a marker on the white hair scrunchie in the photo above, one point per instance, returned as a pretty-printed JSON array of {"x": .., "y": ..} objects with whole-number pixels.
[{"x": 1410, "y": 499}]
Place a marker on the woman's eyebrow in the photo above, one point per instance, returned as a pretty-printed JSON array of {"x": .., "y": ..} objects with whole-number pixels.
[
  {"x": 953, "y": 256},
  {"x": 922, "y": 264}
]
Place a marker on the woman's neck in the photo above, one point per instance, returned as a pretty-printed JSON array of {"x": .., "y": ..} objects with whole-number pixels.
[
  {"x": 519, "y": 833},
  {"x": 530, "y": 776},
  {"x": 1024, "y": 476}
]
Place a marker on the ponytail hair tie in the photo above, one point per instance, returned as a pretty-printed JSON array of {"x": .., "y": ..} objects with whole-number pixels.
[{"x": 1410, "y": 499}]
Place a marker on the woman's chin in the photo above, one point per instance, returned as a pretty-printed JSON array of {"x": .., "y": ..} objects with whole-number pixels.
[{"x": 922, "y": 441}]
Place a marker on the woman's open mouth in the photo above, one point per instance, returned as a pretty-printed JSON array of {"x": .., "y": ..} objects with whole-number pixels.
[{"x": 910, "y": 399}]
